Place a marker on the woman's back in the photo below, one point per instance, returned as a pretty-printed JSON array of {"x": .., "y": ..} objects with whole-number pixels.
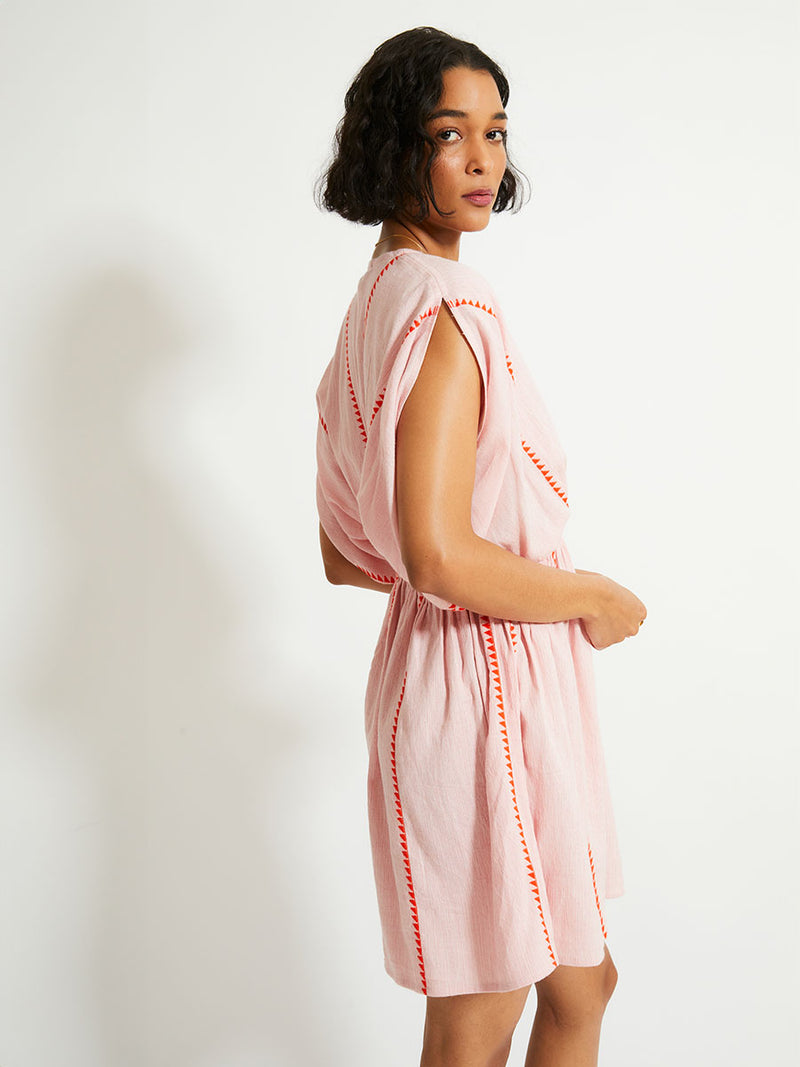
[{"x": 519, "y": 499}]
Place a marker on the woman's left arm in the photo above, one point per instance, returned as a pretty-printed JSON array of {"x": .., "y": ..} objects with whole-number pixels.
[{"x": 340, "y": 571}]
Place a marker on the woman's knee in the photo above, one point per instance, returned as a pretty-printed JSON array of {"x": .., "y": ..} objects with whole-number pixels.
[
  {"x": 611, "y": 976},
  {"x": 577, "y": 996}
]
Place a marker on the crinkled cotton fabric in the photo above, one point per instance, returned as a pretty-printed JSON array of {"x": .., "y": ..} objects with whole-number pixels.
[{"x": 492, "y": 832}]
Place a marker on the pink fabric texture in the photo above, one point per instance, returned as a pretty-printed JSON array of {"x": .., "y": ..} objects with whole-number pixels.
[{"x": 493, "y": 837}]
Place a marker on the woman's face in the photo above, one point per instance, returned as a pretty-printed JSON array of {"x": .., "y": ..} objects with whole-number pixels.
[{"x": 468, "y": 125}]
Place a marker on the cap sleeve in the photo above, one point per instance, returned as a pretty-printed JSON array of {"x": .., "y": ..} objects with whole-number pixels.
[{"x": 412, "y": 309}]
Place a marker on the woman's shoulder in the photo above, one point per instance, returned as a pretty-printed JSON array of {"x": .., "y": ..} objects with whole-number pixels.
[
  {"x": 449, "y": 270},
  {"x": 410, "y": 268}
]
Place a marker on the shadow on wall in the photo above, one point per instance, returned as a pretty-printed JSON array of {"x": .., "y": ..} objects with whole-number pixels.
[{"x": 167, "y": 901}]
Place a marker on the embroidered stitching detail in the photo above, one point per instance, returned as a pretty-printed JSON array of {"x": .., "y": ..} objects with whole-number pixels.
[
  {"x": 417, "y": 322},
  {"x": 324, "y": 427},
  {"x": 412, "y": 902},
  {"x": 513, "y": 635},
  {"x": 597, "y": 899},
  {"x": 495, "y": 670},
  {"x": 508, "y": 364},
  {"x": 459, "y": 302},
  {"x": 378, "y": 577},
  {"x": 350, "y": 380},
  {"x": 377, "y": 405},
  {"x": 382, "y": 271},
  {"x": 529, "y": 452}
]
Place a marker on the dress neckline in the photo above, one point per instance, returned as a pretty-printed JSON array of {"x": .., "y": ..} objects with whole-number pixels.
[{"x": 413, "y": 251}]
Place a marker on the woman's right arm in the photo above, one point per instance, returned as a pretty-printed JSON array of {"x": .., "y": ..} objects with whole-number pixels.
[
  {"x": 435, "y": 477},
  {"x": 340, "y": 571}
]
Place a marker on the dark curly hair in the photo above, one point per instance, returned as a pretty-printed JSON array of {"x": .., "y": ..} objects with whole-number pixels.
[{"x": 381, "y": 141}]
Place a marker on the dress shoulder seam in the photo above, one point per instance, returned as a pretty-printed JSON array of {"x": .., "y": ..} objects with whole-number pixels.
[
  {"x": 449, "y": 288},
  {"x": 426, "y": 272}
]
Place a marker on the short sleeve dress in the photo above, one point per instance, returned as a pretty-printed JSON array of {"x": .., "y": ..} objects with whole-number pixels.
[{"x": 492, "y": 832}]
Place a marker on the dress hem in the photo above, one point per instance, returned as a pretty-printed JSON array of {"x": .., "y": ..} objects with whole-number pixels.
[{"x": 503, "y": 986}]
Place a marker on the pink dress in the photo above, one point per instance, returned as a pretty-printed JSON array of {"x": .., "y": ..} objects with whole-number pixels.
[{"x": 491, "y": 825}]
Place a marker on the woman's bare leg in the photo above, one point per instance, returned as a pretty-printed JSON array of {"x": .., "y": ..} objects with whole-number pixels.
[
  {"x": 471, "y": 1029},
  {"x": 570, "y": 1006}
]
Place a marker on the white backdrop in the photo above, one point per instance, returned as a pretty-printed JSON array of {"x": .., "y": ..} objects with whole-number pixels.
[{"x": 186, "y": 878}]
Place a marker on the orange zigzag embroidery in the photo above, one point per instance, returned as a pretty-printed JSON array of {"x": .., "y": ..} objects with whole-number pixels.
[
  {"x": 382, "y": 271},
  {"x": 377, "y": 405},
  {"x": 508, "y": 364},
  {"x": 417, "y": 322},
  {"x": 385, "y": 578},
  {"x": 596, "y": 897},
  {"x": 458, "y": 302},
  {"x": 529, "y": 452},
  {"x": 404, "y": 844},
  {"x": 495, "y": 670},
  {"x": 350, "y": 380}
]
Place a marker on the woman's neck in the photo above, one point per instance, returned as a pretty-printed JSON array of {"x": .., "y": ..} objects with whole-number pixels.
[{"x": 397, "y": 234}]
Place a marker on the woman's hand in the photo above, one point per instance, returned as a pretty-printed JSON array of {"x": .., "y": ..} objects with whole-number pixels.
[
  {"x": 340, "y": 571},
  {"x": 618, "y": 613}
]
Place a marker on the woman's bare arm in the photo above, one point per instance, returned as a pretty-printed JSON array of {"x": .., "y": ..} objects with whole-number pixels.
[
  {"x": 340, "y": 571},
  {"x": 435, "y": 477}
]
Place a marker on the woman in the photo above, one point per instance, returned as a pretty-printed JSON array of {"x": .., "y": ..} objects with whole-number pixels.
[{"x": 441, "y": 481}]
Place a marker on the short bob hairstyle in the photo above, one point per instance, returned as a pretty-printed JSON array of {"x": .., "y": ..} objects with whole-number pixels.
[{"x": 381, "y": 142}]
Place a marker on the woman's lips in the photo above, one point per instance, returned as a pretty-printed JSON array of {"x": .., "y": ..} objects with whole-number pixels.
[{"x": 480, "y": 199}]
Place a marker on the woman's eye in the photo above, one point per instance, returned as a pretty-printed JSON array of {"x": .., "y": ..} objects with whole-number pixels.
[{"x": 501, "y": 135}]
